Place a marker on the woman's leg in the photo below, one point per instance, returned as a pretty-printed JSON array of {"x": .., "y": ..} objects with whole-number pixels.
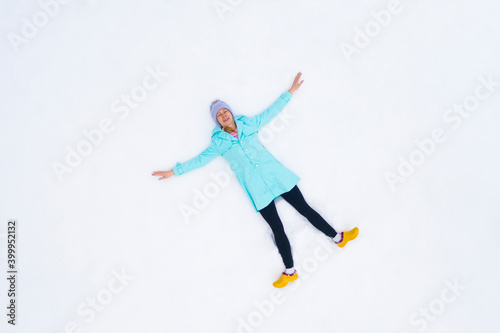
[
  {"x": 270, "y": 214},
  {"x": 295, "y": 198}
]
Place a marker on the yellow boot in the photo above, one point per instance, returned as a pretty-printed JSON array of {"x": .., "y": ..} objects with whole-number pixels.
[
  {"x": 348, "y": 236},
  {"x": 284, "y": 279}
]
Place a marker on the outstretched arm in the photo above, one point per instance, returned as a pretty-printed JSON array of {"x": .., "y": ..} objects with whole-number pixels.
[
  {"x": 202, "y": 159},
  {"x": 265, "y": 116}
]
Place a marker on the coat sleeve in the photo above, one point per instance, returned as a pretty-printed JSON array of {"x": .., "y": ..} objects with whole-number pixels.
[
  {"x": 206, "y": 156},
  {"x": 269, "y": 113}
]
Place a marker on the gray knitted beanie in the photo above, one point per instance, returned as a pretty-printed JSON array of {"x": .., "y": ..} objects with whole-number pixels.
[{"x": 216, "y": 106}]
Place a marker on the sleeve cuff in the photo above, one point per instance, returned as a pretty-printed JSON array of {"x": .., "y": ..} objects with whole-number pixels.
[
  {"x": 286, "y": 96},
  {"x": 178, "y": 169}
]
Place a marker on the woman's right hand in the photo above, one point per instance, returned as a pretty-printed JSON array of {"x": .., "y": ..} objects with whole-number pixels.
[
  {"x": 296, "y": 84},
  {"x": 163, "y": 174}
]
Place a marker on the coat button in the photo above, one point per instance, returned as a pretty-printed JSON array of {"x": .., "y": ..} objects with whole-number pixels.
[
  {"x": 246, "y": 149},
  {"x": 251, "y": 157},
  {"x": 256, "y": 165}
]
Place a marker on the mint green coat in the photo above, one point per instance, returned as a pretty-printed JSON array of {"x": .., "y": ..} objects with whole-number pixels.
[{"x": 260, "y": 174}]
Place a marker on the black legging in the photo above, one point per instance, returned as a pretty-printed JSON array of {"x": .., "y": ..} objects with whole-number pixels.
[{"x": 295, "y": 198}]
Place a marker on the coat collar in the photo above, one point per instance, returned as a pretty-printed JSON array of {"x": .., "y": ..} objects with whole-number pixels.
[{"x": 240, "y": 126}]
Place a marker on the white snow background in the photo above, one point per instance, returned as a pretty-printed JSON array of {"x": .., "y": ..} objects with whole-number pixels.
[{"x": 426, "y": 258}]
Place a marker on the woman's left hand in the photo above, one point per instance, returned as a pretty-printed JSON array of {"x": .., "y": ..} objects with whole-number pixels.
[{"x": 296, "y": 84}]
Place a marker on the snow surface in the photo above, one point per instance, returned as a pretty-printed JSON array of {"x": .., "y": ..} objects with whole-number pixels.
[{"x": 348, "y": 126}]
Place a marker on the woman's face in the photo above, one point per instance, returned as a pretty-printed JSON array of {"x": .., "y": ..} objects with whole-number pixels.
[{"x": 224, "y": 117}]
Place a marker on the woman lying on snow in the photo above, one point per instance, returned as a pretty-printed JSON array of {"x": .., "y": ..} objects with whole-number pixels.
[{"x": 262, "y": 176}]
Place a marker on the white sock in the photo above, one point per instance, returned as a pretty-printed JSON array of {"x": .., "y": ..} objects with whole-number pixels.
[
  {"x": 337, "y": 238},
  {"x": 289, "y": 270}
]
